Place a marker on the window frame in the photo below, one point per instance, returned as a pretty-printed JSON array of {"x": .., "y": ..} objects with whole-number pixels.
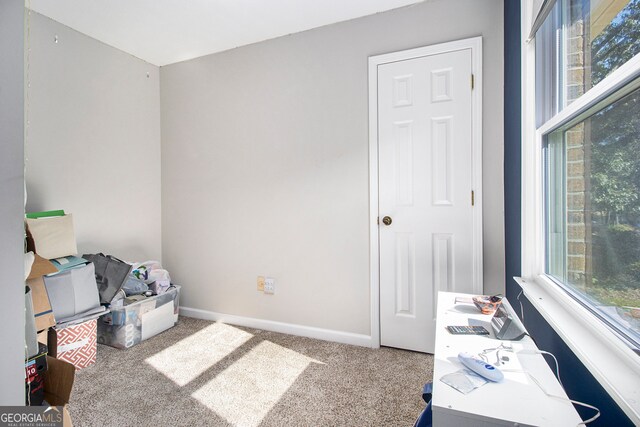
[{"x": 597, "y": 346}]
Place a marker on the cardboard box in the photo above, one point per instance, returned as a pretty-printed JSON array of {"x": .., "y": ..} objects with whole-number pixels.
[
  {"x": 41, "y": 306},
  {"x": 58, "y": 381},
  {"x": 42, "y": 337},
  {"x": 131, "y": 324},
  {"x": 75, "y": 344},
  {"x": 41, "y": 267},
  {"x": 57, "y": 386}
]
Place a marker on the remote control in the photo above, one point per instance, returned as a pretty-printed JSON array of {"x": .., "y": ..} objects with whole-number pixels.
[
  {"x": 467, "y": 330},
  {"x": 481, "y": 367}
]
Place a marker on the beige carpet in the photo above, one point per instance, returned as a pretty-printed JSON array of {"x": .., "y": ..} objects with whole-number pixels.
[{"x": 203, "y": 373}]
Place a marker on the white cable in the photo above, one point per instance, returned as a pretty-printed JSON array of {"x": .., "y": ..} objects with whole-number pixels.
[
  {"x": 557, "y": 365},
  {"x": 596, "y": 416},
  {"x": 575, "y": 402},
  {"x": 521, "y": 308}
]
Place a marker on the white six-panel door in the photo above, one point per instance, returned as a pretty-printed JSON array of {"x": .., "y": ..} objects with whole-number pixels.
[{"x": 425, "y": 183}]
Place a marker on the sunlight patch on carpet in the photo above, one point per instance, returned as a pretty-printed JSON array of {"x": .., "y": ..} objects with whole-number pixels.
[
  {"x": 187, "y": 359},
  {"x": 245, "y": 392}
]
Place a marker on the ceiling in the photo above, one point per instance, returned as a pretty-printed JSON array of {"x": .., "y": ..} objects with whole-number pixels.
[{"x": 166, "y": 31}]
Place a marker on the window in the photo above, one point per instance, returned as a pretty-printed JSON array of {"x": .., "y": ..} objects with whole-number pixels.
[
  {"x": 591, "y": 157},
  {"x": 581, "y": 182}
]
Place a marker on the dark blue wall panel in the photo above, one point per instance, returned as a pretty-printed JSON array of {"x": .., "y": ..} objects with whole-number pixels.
[
  {"x": 512, "y": 142},
  {"x": 579, "y": 383}
]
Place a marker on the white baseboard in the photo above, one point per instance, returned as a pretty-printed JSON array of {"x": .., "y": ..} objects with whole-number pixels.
[{"x": 284, "y": 328}]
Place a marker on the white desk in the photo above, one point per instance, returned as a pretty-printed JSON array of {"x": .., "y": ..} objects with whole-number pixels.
[{"x": 517, "y": 400}]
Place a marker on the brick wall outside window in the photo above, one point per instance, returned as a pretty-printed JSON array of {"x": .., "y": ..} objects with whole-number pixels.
[{"x": 578, "y": 151}]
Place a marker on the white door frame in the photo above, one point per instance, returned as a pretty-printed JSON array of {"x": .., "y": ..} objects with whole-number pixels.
[{"x": 475, "y": 44}]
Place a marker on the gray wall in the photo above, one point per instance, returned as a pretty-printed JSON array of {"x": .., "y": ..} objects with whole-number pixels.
[
  {"x": 265, "y": 165},
  {"x": 93, "y": 147},
  {"x": 12, "y": 201}
]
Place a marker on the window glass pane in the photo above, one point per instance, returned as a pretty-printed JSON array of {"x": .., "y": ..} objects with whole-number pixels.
[
  {"x": 555, "y": 196},
  {"x": 613, "y": 40},
  {"x": 580, "y": 43},
  {"x": 599, "y": 36},
  {"x": 592, "y": 197},
  {"x": 548, "y": 76}
]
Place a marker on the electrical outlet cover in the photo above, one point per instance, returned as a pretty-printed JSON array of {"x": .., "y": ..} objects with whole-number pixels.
[
  {"x": 261, "y": 283},
  {"x": 269, "y": 285}
]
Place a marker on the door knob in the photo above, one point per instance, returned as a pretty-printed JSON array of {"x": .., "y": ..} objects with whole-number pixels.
[{"x": 387, "y": 220}]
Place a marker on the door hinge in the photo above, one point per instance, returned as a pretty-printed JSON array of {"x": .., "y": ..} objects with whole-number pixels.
[
  {"x": 472, "y": 81},
  {"x": 473, "y": 199}
]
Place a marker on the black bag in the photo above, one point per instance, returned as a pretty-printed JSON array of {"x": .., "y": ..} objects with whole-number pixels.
[{"x": 111, "y": 273}]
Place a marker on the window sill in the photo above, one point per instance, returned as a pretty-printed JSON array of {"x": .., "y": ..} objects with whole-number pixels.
[{"x": 614, "y": 365}]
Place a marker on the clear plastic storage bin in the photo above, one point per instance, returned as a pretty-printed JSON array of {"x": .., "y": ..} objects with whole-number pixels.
[{"x": 131, "y": 324}]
